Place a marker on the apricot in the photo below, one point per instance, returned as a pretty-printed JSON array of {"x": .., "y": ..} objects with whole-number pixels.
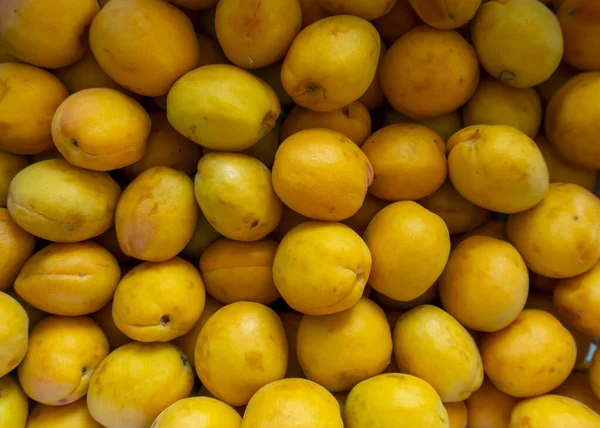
[
  {"x": 257, "y": 33},
  {"x": 321, "y": 268},
  {"x": 360, "y": 339},
  {"x": 236, "y": 195},
  {"x": 104, "y": 319},
  {"x": 457, "y": 414},
  {"x": 578, "y": 387},
  {"x": 321, "y": 174},
  {"x": 446, "y": 15},
  {"x": 439, "y": 72},
  {"x": 331, "y": 63},
  {"x": 36, "y": 92},
  {"x": 445, "y": 126},
  {"x": 63, "y": 354},
  {"x": 408, "y": 161},
  {"x": 293, "y": 403},
  {"x": 236, "y": 271},
  {"x": 493, "y": 229},
  {"x": 570, "y": 120},
  {"x": 222, "y": 107},
  {"x": 14, "y": 337},
  {"x": 69, "y": 279},
  {"x": 398, "y": 21},
  {"x": 204, "y": 235},
  {"x": 551, "y": 85},
  {"x": 488, "y": 407},
  {"x": 74, "y": 415},
  {"x": 478, "y": 175},
  {"x": 409, "y": 247},
  {"x": 485, "y": 284},
  {"x": 128, "y": 390},
  {"x": 156, "y": 302},
  {"x": 198, "y": 412},
  {"x": 581, "y": 32},
  {"x": 27, "y": 39},
  {"x": 429, "y": 296},
  {"x": 59, "y": 202},
  {"x": 373, "y": 96},
  {"x": 144, "y": 45},
  {"x": 165, "y": 147},
  {"x": 100, "y": 146},
  {"x": 271, "y": 76},
  {"x": 156, "y": 201},
  {"x": 353, "y": 120},
  {"x": 10, "y": 165},
  {"x": 34, "y": 314},
  {"x": 531, "y": 356},
  {"x": 553, "y": 411},
  {"x": 498, "y": 32},
  {"x": 14, "y": 406},
  {"x": 359, "y": 221},
  {"x": 16, "y": 246},
  {"x": 85, "y": 74},
  {"x": 312, "y": 12},
  {"x": 570, "y": 209},
  {"x": 394, "y": 400},
  {"x": 431, "y": 344},
  {"x": 542, "y": 283},
  {"x": 241, "y": 348}
]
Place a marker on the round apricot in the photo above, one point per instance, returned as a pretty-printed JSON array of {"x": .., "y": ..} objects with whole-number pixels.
[
  {"x": 578, "y": 387},
  {"x": 369, "y": 10},
  {"x": 398, "y": 21},
  {"x": 457, "y": 414},
  {"x": 553, "y": 411},
  {"x": 204, "y": 235},
  {"x": 272, "y": 77},
  {"x": 14, "y": 337},
  {"x": 445, "y": 126},
  {"x": 359, "y": 221},
  {"x": 581, "y": 32},
  {"x": 373, "y": 96},
  {"x": 16, "y": 246},
  {"x": 493, "y": 229},
  {"x": 446, "y": 15},
  {"x": 429, "y": 72},
  {"x": 488, "y": 407},
  {"x": 552, "y": 84},
  {"x": 74, "y": 415},
  {"x": 104, "y": 319},
  {"x": 14, "y": 406},
  {"x": 85, "y": 74},
  {"x": 198, "y": 412}
]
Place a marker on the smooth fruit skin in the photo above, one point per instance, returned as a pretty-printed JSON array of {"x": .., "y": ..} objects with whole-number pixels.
[
  {"x": 359, "y": 221},
  {"x": 293, "y": 403},
  {"x": 10, "y": 165},
  {"x": 495, "y": 103},
  {"x": 553, "y": 411},
  {"x": 353, "y": 120},
  {"x": 128, "y": 390},
  {"x": 236, "y": 195},
  {"x": 445, "y": 125},
  {"x": 14, "y": 406},
  {"x": 85, "y": 74},
  {"x": 236, "y": 271},
  {"x": 198, "y": 412},
  {"x": 63, "y": 354},
  {"x": 159, "y": 301},
  {"x": 100, "y": 146},
  {"x": 29, "y": 30},
  {"x": 331, "y": 63},
  {"x": 257, "y": 33},
  {"x": 488, "y": 407},
  {"x": 59, "y": 202},
  {"x": 498, "y": 32},
  {"x": 321, "y": 174},
  {"x": 409, "y": 247},
  {"x": 394, "y": 400},
  {"x": 448, "y": 72},
  {"x": 74, "y": 415},
  {"x": 532, "y": 356},
  {"x": 409, "y": 162},
  {"x": 431, "y": 344},
  {"x": 368, "y": 11},
  {"x": 16, "y": 246},
  {"x": 550, "y": 86},
  {"x": 577, "y": 300},
  {"x": 570, "y": 209},
  {"x": 241, "y": 348},
  {"x": 35, "y": 91},
  {"x": 204, "y": 235},
  {"x": 156, "y": 215},
  {"x": 70, "y": 279},
  {"x": 321, "y": 268},
  {"x": 144, "y": 45},
  {"x": 222, "y": 107},
  {"x": 14, "y": 338},
  {"x": 457, "y": 414},
  {"x": 562, "y": 171},
  {"x": 581, "y": 32},
  {"x": 493, "y": 229},
  {"x": 360, "y": 339},
  {"x": 104, "y": 319},
  {"x": 446, "y": 15},
  {"x": 578, "y": 387},
  {"x": 485, "y": 284},
  {"x": 570, "y": 120},
  {"x": 398, "y": 21},
  {"x": 459, "y": 214}
]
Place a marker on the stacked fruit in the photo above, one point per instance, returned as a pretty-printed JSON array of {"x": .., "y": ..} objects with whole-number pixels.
[{"x": 299, "y": 213}]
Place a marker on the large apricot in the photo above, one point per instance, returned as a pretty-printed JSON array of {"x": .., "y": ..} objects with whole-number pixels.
[
  {"x": 60, "y": 202},
  {"x": 429, "y": 72},
  {"x": 488, "y": 407},
  {"x": 14, "y": 406},
  {"x": 16, "y": 246},
  {"x": 74, "y": 415},
  {"x": 85, "y": 74},
  {"x": 581, "y": 32},
  {"x": 14, "y": 337},
  {"x": 445, "y": 126},
  {"x": 198, "y": 412},
  {"x": 257, "y": 33},
  {"x": 156, "y": 215},
  {"x": 578, "y": 387},
  {"x": 571, "y": 125},
  {"x": 46, "y": 34},
  {"x": 498, "y": 32},
  {"x": 144, "y": 45},
  {"x": 572, "y": 210},
  {"x": 104, "y": 319},
  {"x": 553, "y": 411},
  {"x": 331, "y": 63},
  {"x": 446, "y": 15},
  {"x": 27, "y": 89}
]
